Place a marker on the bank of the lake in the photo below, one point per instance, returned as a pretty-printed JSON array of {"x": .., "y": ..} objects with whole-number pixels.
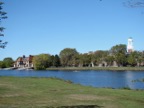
[
  {"x": 46, "y": 92},
  {"x": 82, "y": 68},
  {"x": 98, "y": 68}
]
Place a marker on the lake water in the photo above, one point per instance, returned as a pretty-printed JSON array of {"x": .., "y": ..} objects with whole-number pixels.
[{"x": 113, "y": 79}]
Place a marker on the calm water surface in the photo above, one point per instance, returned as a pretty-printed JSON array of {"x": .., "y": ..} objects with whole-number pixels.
[{"x": 113, "y": 79}]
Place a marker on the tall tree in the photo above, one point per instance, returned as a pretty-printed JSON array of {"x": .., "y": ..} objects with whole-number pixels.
[
  {"x": 140, "y": 58},
  {"x": 86, "y": 59},
  {"x": 132, "y": 59},
  {"x": 67, "y": 56},
  {"x": 99, "y": 56},
  {"x": 119, "y": 53},
  {"x": 42, "y": 61},
  {"x": 109, "y": 59},
  {"x": 121, "y": 48},
  {"x": 55, "y": 61},
  {"x": 8, "y": 62},
  {"x": 2, "y": 16}
]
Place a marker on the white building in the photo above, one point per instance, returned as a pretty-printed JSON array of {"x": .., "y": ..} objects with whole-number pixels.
[{"x": 130, "y": 47}]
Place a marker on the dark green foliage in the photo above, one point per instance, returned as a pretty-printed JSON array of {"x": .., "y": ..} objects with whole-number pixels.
[
  {"x": 2, "y": 64},
  {"x": 56, "y": 61},
  {"x": 8, "y": 62},
  {"x": 2, "y": 16}
]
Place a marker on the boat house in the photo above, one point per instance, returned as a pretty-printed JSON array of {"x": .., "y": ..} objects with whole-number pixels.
[{"x": 24, "y": 62}]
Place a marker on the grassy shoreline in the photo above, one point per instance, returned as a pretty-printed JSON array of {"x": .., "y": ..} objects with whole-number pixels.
[
  {"x": 98, "y": 68},
  {"x": 55, "y": 93}
]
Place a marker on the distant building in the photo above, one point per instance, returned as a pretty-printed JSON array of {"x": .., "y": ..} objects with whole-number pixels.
[
  {"x": 25, "y": 62},
  {"x": 130, "y": 47}
]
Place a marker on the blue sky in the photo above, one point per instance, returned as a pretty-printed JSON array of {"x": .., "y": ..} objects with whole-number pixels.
[{"x": 48, "y": 26}]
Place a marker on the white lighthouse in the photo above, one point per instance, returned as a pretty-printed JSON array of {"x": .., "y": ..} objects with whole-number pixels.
[{"x": 130, "y": 47}]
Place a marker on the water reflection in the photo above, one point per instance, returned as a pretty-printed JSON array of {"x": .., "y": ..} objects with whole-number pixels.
[{"x": 128, "y": 79}]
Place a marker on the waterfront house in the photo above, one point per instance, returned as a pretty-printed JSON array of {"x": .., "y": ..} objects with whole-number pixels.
[{"x": 24, "y": 62}]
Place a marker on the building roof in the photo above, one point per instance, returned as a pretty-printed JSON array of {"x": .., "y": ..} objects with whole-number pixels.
[{"x": 25, "y": 59}]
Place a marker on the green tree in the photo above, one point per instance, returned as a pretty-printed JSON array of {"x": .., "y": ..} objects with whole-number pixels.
[
  {"x": 2, "y": 64},
  {"x": 8, "y": 62},
  {"x": 109, "y": 59},
  {"x": 86, "y": 59},
  {"x": 132, "y": 59},
  {"x": 2, "y": 16},
  {"x": 121, "y": 48},
  {"x": 67, "y": 56},
  {"x": 52, "y": 60},
  {"x": 56, "y": 61},
  {"x": 119, "y": 52},
  {"x": 76, "y": 60},
  {"x": 99, "y": 56},
  {"x": 79, "y": 60},
  {"x": 136, "y": 58},
  {"x": 121, "y": 59},
  {"x": 42, "y": 61},
  {"x": 140, "y": 58}
]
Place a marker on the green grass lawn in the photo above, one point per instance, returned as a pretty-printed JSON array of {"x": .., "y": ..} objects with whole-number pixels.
[{"x": 49, "y": 92}]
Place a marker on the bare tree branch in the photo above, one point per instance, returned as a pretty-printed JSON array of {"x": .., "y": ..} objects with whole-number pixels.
[
  {"x": 134, "y": 3},
  {"x": 2, "y": 16}
]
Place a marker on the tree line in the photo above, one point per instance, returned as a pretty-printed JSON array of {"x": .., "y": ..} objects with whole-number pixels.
[{"x": 70, "y": 57}]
